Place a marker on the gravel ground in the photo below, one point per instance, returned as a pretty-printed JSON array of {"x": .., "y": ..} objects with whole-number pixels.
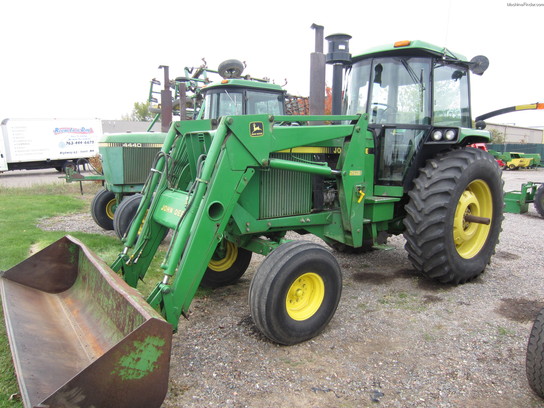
[{"x": 397, "y": 339}]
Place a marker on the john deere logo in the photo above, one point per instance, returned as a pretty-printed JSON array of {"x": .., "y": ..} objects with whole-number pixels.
[{"x": 256, "y": 129}]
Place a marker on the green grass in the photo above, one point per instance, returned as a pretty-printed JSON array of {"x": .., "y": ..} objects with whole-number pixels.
[
  {"x": 403, "y": 301},
  {"x": 503, "y": 331},
  {"x": 20, "y": 210}
]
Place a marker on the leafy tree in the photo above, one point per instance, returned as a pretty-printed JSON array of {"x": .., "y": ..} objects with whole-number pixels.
[
  {"x": 496, "y": 136},
  {"x": 140, "y": 113},
  {"x": 328, "y": 101}
]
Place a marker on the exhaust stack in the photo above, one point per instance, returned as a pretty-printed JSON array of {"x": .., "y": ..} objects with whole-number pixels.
[
  {"x": 338, "y": 56},
  {"x": 317, "y": 74}
]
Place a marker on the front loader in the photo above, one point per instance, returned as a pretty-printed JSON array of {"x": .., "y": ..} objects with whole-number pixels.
[{"x": 397, "y": 162}]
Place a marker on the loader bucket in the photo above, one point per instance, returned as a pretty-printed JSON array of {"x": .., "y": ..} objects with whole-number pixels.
[{"x": 79, "y": 335}]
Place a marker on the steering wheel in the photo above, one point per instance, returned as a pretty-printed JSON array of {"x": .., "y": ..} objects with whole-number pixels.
[
  {"x": 386, "y": 106},
  {"x": 380, "y": 114}
]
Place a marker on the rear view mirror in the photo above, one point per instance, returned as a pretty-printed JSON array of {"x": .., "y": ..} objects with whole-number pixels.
[{"x": 479, "y": 64}]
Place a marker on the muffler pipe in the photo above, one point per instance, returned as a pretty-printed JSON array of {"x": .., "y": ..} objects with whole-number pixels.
[{"x": 339, "y": 57}]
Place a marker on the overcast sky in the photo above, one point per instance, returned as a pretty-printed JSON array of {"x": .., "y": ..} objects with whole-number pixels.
[{"x": 95, "y": 58}]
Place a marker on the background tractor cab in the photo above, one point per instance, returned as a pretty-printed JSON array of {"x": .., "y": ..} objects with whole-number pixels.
[
  {"x": 417, "y": 97},
  {"x": 197, "y": 96},
  {"x": 242, "y": 97}
]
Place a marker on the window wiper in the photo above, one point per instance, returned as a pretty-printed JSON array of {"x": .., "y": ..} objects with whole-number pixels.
[
  {"x": 416, "y": 80},
  {"x": 230, "y": 97},
  {"x": 412, "y": 74}
]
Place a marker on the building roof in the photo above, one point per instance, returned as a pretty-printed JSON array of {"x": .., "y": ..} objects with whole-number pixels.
[{"x": 127, "y": 126}]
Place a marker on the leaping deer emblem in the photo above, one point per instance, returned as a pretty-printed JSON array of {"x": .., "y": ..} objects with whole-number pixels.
[{"x": 256, "y": 129}]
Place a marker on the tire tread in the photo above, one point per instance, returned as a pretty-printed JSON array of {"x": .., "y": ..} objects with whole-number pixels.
[{"x": 426, "y": 213}]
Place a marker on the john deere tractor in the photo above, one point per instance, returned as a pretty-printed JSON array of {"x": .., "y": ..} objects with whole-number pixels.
[{"x": 228, "y": 186}]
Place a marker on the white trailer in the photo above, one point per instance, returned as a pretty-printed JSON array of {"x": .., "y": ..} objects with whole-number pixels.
[{"x": 27, "y": 144}]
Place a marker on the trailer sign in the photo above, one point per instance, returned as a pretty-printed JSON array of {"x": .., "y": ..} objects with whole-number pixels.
[
  {"x": 42, "y": 143},
  {"x": 82, "y": 131}
]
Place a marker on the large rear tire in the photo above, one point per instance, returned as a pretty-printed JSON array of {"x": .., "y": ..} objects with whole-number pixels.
[
  {"x": 443, "y": 239},
  {"x": 539, "y": 200},
  {"x": 103, "y": 208},
  {"x": 227, "y": 266},
  {"x": 295, "y": 292},
  {"x": 534, "y": 361}
]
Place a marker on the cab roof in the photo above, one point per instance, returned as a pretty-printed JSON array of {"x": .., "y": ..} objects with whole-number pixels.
[
  {"x": 416, "y": 47},
  {"x": 244, "y": 83}
]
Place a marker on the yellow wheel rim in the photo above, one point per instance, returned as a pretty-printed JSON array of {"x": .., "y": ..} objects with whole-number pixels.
[
  {"x": 470, "y": 237},
  {"x": 221, "y": 265},
  {"x": 305, "y": 296},
  {"x": 110, "y": 208}
]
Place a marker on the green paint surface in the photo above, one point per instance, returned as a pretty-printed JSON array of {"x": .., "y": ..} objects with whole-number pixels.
[{"x": 141, "y": 360}]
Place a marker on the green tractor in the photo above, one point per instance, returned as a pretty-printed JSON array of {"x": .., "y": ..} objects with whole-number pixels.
[
  {"x": 127, "y": 157},
  {"x": 396, "y": 162}
]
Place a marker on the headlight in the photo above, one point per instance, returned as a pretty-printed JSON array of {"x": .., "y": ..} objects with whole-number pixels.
[
  {"x": 450, "y": 134},
  {"x": 443, "y": 135},
  {"x": 437, "y": 135}
]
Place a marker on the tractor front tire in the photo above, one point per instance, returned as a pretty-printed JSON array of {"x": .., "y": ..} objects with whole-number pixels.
[
  {"x": 539, "y": 200},
  {"x": 295, "y": 292},
  {"x": 454, "y": 194},
  {"x": 534, "y": 360},
  {"x": 226, "y": 268},
  {"x": 103, "y": 208},
  {"x": 125, "y": 214}
]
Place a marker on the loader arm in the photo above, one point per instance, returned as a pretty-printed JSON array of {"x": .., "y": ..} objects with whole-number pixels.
[
  {"x": 516, "y": 108},
  {"x": 223, "y": 163}
]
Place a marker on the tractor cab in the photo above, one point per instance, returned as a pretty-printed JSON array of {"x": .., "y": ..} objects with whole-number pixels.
[
  {"x": 207, "y": 97},
  {"x": 417, "y": 98},
  {"x": 242, "y": 97}
]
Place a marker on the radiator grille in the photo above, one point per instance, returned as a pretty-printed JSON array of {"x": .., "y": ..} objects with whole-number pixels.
[
  {"x": 284, "y": 193},
  {"x": 137, "y": 162}
]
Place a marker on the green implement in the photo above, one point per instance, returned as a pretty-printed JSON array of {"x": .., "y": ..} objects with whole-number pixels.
[{"x": 518, "y": 201}]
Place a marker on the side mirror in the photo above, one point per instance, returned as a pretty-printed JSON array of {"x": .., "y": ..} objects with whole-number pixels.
[
  {"x": 479, "y": 64},
  {"x": 480, "y": 125}
]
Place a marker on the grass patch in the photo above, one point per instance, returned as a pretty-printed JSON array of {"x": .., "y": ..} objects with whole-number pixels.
[
  {"x": 362, "y": 306},
  {"x": 428, "y": 337},
  {"x": 503, "y": 331},
  {"x": 403, "y": 301}
]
